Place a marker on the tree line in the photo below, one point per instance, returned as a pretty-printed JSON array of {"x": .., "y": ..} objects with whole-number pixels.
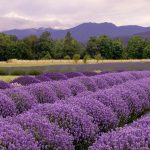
[{"x": 45, "y": 47}]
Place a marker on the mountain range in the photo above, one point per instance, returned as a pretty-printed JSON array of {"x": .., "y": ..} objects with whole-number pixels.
[{"x": 83, "y": 31}]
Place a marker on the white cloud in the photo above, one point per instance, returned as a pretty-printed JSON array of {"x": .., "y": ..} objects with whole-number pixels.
[{"x": 66, "y": 13}]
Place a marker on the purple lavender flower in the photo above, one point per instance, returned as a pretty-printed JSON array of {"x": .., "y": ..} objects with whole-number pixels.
[
  {"x": 126, "y": 76},
  {"x": 143, "y": 122},
  {"x": 111, "y": 99},
  {"x": 102, "y": 115},
  {"x": 71, "y": 118},
  {"x": 42, "y": 93},
  {"x": 7, "y": 106},
  {"x": 89, "y": 74},
  {"x": 140, "y": 93},
  {"x": 100, "y": 82},
  {"x": 130, "y": 97},
  {"x": 88, "y": 83},
  {"x": 55, "y": 76},
  {"x": 75, "y": 86},
  {"x": 84, "y": 94},
  {"x": 12, "y": 137},
  {"x": 73, "y": 74},
  {"x": 42, "y": 78},
  {"x": 25, "y": 80},
  {"x": 140, "y": 74},
  {"x": 123, "y": 139},
  {"x": 48, "y": 136},
  {"x": 23, "y": 100},
  {"x": 59, "y": 87},
  {"x": 4, "y": 85}
]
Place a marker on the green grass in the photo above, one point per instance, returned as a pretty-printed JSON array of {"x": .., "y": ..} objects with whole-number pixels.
[{"x": 8, "y": 78}]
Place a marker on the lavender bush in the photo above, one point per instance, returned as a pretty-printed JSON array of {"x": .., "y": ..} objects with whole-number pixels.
[
  {"x": 75, "y": 86},
  {"x": 12, "y": 137},
  {"x": 59, "y": 87},
  {"x": 73, "y": 74},
  {"x": 102, "y": 115},
  {"x": 71, "y": 118},
  {"x": 111, "y": 99},
  {"x": 4, "y": 85},
  {"x": 42, "y": 93},
  {"x": 23, "y": 100},
  {"x": 26, "y": 80},
  {"x": 55, "y": 76},
  {"x": 89, "y": 74},
  {"x": 134, "y": 136},
  {"x": 7, "y": 106},
  {"x": 88, "y": 83},
  {"x": 48, "y": 136},
  {"x": 42, "y": 78}
]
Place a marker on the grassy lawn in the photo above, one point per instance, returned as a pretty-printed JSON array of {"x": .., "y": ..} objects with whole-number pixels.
[
  {"x": 8, "y": 78},
  {"x": 17, "y": 63}
]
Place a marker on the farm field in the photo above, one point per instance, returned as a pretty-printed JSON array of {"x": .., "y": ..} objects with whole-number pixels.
[
  {"x": 27, "y": 67},
  {"x": 17, "y": 63},
  {"x": 76, "y": 111}
]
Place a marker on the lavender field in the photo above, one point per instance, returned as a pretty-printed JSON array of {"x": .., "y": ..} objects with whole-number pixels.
[{"x": 76, "y": 111}]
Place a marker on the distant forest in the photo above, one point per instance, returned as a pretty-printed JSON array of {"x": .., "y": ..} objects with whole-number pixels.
[{"x": 44, "y": 47}]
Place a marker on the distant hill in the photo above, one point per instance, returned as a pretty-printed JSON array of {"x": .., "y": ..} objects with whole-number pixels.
[
  {"x": 144, "y": 35},
  {"x": 83, "y": 31}
]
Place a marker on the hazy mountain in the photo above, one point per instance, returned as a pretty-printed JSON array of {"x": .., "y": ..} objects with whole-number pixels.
[
  {"x": 144, "y": 34},
  {"x": 83, "y": 31}
]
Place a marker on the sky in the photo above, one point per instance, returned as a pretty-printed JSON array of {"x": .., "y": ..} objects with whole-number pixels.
[{"x": 62, "y": 14}]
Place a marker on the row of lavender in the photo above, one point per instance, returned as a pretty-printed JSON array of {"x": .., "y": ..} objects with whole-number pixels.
[
  {"x": 82, "y": 117},
  {"x": 17, "y": 100},
  {"x": 26, "y": 80},
  {"x": 135, "y": 136},
  {"x": 52, "y": 76}
]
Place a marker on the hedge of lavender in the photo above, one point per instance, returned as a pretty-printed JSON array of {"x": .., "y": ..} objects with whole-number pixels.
[
  {"x": 131, "y": 137},
  {"x": 84, "y": 112}
]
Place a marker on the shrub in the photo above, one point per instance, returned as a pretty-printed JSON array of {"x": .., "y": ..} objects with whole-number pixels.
[
  {"x": 100, "y": 82},
  {"x": 86, "y": 58},
  {"x": 42, "y": 93},
  {"x": 102, "y": 115},
  {"x": 25, "y": 80},
  {"x": 42, "y": 77},
  {"x": 13, "y": 137},
  {"x": 67, "y": 57},
  {"x": 111, "y": 99},
  {"x": 7, "y": 106},
  {"x": 130, "y": 97},
  {"x": 71, "y": 118},
  {"x": 76, "y": 58},
  {"x": 73, "y": 74},
  {"x": 88, "y": 83},
  {"x": 4, "y": 85},
  {"x": 140, "y": 92},
  {"x": 23, "y": 100},
  {"x": 75, "y": 86},
  {"x": 124, "y": 138},
  {"x": 62, "y": 91},
  {"x": 89, "y": 73},
  {"x": 55, "y": 76},
  {"x": 48, "y": 135},
  {"x": 98, "y": 57}
]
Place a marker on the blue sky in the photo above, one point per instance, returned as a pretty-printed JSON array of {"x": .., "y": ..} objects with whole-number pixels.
[{"x": 63, "y": 14}]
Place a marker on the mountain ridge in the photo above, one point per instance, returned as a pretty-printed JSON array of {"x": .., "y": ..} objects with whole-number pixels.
[{"x": 83, "y": 31}]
